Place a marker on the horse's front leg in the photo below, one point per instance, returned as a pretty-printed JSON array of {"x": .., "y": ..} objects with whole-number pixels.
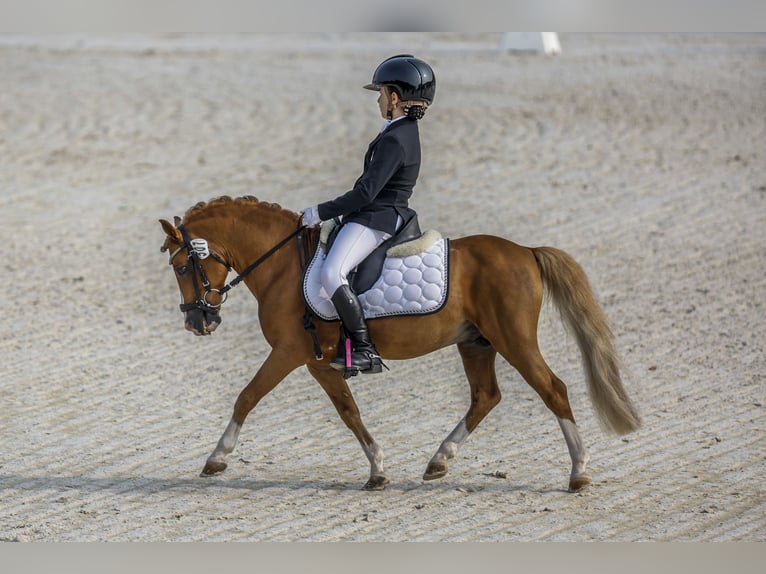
[
  {"x": 337, "y": 389},
  {"x": 275, "y": 368}
]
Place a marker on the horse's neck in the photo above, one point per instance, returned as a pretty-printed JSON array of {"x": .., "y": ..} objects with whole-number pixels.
[{"x": 250, "y": 236}]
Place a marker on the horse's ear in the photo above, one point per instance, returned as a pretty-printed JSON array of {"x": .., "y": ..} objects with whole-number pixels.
[{"x": 171, "y": 231}]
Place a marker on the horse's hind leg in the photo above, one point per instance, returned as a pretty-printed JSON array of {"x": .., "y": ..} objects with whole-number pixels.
[
  {"x": 579, "y": 478},
  {"x": 479, "y": 364},
  {"x": 539, "y": 376},
  {"x": 337, "y": 389}
]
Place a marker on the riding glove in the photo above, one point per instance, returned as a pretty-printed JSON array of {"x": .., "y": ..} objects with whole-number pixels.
[{"x": 310, "y": 216}]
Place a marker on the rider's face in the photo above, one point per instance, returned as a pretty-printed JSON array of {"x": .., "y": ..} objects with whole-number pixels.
[{"x": 386, "y": 100}]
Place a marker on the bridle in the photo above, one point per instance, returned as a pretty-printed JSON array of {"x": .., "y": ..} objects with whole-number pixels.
[{"x": 198, "y": 251}]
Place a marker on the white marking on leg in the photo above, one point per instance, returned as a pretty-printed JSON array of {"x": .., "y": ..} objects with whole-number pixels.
[
  {"x": 577, "y": 451},
  {"x": 375, "y": 456},
  {"x": 226, "y": 443},
  {"x": 449, "y": 447}
]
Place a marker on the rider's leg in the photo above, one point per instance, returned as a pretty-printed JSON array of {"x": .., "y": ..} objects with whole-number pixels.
[
  {"x": 363, "y": 356},
  {"x": 353, "y": 244}
]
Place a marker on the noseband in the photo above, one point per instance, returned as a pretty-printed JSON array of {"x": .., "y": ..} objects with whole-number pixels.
[{"x": 195, "y": 260}]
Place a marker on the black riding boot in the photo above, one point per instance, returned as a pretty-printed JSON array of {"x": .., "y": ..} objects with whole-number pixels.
[{"x": 364, "y": 357}]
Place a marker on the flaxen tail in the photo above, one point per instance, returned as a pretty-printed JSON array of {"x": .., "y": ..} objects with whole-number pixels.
[{"x": 569, "y": 288}]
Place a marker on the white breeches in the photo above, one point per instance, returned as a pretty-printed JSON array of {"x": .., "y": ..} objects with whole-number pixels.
[{"x": 353, "y": 244}]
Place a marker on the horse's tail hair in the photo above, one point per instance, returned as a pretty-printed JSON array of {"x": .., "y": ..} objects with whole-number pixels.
[{"x": 568, "y": 287}]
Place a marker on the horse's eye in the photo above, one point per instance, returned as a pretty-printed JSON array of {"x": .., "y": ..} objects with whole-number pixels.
[{"x": 181, "y": 270}]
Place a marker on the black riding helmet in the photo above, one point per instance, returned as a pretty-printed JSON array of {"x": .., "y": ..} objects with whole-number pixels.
[{"x": 412, "y": 78}]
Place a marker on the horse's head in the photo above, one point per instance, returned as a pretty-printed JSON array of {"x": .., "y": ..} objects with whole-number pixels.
[{"x": 201, "y": 274}]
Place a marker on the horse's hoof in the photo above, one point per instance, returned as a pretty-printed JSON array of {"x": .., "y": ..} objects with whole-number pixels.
[
  {"x": 577, "y": 483},
  {"x": 376, "y": 483},
  {"x": 435, "y": 470},
  {"x": 213, "y": 468}
]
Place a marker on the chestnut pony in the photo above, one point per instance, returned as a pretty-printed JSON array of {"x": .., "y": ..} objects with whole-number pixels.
[{"x": 495, "y": 294}]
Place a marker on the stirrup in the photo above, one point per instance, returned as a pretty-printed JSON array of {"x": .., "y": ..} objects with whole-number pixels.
[
  {"x": 376, "y": 366},
  {"x": 343, "y": 363}
]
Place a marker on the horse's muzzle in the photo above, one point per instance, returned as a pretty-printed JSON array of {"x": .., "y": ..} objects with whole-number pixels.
[{"x": 201, "y": 322}]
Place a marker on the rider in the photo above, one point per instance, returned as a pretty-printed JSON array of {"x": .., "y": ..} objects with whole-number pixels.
[{"x": 377, "y": 206}]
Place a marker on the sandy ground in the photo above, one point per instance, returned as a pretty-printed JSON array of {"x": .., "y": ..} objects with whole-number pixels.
[{"x": 642, "y": 156}]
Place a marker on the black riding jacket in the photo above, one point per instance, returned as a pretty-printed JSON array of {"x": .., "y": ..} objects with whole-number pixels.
[{"x": 382, "y": 192}]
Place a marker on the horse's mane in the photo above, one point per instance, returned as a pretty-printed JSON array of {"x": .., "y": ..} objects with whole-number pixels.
[
  {"x": 202, "y": 207},
  {"x": 270, "y": 210}
]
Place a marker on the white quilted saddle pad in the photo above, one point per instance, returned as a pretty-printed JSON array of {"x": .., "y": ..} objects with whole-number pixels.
[{"x": 411, "y": 285}]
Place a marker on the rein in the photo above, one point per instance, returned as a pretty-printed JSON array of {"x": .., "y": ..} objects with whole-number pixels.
[{"x": 234, "y": 282}]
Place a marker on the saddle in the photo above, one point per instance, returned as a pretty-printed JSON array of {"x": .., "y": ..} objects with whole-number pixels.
[
  {"x": 368, "y": 271},
  {"x": 404, "y": 277}
]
